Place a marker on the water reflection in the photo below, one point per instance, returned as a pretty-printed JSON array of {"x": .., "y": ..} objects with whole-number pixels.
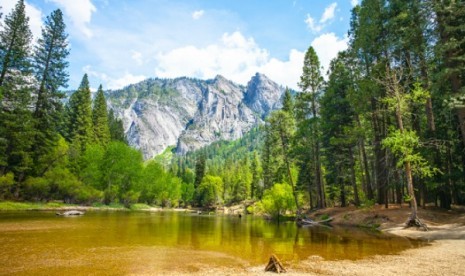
[{"x": 34, "y": 235}]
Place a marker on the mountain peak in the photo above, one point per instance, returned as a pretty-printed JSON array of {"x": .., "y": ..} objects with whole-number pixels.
[
  {"x": 191, "y": 113},
  {"x": 262, "y": 94}
]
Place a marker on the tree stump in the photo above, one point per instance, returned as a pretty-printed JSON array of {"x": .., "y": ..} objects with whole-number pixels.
[{"x": 275, "y": 265}]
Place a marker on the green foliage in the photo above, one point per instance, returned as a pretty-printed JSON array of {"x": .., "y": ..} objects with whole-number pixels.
[
  {"x": 15, "y": 43},
  {"x": 50, "y": 71},
  {"x": 80, "y": 117},
  {"x": 278, "y": 200},
  {"x": 208, "y": 193},
  {"x": 6, "y": 185},
  {"x": 116, "y": 128},
  {"x": 100, "y": 119},
  {"x": 405, "y": 146}
]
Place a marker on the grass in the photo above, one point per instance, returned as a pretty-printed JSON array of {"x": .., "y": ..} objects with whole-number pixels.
[
  {"x": 140, "y": 206},
  {"x": 17, "y": 206},
  {"x": 24, "y": 206}
]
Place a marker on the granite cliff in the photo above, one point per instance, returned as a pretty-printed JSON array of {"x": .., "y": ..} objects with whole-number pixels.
[{"x": 191, "y": 113}]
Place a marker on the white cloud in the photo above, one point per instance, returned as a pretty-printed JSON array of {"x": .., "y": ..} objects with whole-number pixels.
[
  {"x": 34, "y": 14},
  {"x": 197, "y": 14},
  {"x": 234, "y": 56},
  {"x": 327, "y": 46},
  {"x": 312, "y": 25},
  {"x": 80, "y": 13},
  {"x": 354, "y": 3},
  {"x": 112, "y": 82},
  {"x": 328, "y": 14}
]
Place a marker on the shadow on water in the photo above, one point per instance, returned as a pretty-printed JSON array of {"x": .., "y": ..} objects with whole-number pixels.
[{"x": 29, "y": 236}]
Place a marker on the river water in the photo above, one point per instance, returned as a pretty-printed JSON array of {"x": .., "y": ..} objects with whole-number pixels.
[{"x": 118, "y": 242}]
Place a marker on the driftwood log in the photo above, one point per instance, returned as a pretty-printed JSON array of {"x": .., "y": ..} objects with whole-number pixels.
[
  {"x": 275, "y": 265},
  {"x": 306, "y": 221}
]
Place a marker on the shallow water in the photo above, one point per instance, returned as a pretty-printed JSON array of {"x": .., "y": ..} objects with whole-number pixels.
[{"x": 105, "y": 242}]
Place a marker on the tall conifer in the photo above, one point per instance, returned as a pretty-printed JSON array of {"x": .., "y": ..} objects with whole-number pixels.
[
  {"x": 50, "y": 65},
  {"x": 100, "y": 119}
]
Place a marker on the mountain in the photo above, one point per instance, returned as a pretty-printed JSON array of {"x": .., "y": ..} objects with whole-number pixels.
[{"x": 191, "y": 113}]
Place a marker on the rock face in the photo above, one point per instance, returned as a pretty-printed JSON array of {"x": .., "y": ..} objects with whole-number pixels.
[{"x": 190, "y": 113}]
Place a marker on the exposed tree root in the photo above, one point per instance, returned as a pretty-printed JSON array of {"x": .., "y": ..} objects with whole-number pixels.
[{"x": 415, "y": 222}]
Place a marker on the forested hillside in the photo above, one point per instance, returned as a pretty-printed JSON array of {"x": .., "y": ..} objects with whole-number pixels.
[{"x": 387, "y": 125}]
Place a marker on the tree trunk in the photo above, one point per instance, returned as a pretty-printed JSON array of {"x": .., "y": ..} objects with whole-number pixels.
[
  {"x": 353, "y": 178},
  {"x": 366, "y": 170},
  {"x": 316, "y": 152},
  {"x": 288, "y": 166}
]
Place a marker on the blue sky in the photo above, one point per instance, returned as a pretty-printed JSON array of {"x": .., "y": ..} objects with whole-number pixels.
[{"x": 119, "y": 42}]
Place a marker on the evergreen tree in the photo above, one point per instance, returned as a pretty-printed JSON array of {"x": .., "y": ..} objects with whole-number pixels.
[
  {"x": 337, "y": 122},
  {"x": 15, "y": 43},
  {"x": 50, "y": 69},
  {"x": 116, "y": 128},
  {"x": 16, "y": 126},
  {"x": 311, "y": 83},
  {"x": 255, "y": 188},
  {"x": 80, "y": 116},
  {"x": 100, "y": 119},
  {"x": 200, "y": 168}
]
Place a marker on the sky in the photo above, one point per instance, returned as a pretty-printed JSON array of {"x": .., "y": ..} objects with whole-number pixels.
[{"x": 120, "y": 42}]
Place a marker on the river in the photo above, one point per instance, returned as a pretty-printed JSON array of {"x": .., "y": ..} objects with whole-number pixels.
[{"x": 118, "y": 242}]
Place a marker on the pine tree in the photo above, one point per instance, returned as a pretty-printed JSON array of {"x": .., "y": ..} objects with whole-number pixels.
[
  {"x": 80, "y": 116},
  {"x": 100, "y": 119},
  {"x": 15, "y": 95},
  {"x": 337, "y": 117},
  {"x": 15, "y": 43},
  {"x": 50, "y": 69},
  {"x": 116, "y": 127},
  {"x": 311, "y": 83}
]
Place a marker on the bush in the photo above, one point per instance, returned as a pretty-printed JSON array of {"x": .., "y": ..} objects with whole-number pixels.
[
  {"x": 277, "y": 200},
  {"x": 6, "y": 184}
]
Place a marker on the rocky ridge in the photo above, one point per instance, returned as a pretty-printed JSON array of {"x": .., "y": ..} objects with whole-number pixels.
[{"x": 191, "y": 113}]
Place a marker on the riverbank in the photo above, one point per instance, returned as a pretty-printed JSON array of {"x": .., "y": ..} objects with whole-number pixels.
[{"x": 444, "y": 255}]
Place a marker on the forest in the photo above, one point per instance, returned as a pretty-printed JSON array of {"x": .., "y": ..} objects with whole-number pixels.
[{"x": 387, "y": 125}]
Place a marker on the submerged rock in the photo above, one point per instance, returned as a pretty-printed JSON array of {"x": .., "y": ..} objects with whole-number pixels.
[{"x": 71, "y": 213}]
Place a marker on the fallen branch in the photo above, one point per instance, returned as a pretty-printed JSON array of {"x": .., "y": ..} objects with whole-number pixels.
[{"x": 274, "y": 265}]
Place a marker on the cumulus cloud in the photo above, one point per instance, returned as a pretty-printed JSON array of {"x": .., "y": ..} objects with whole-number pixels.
[
  {"x": 80, "y": 14},
  {"x": 114, "y": 82},
  {"x": 328, "y": 14},
  {"x": 327, "y": 46},
  {"x": 354, "y": 3},
  {"x": 197, "y": 14},
  {"x": 34, "y": 14},
  {"x": 236, "y": 57}
]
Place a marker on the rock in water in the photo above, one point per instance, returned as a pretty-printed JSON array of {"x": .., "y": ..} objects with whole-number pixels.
[{"x": 71, "y": 213}]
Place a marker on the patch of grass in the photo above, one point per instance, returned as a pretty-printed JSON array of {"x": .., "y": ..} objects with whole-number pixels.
[
  {"x": 140, "y": 206},
  {"x": 324, "y": 217},
  {"x": 18, "y": 206}
]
